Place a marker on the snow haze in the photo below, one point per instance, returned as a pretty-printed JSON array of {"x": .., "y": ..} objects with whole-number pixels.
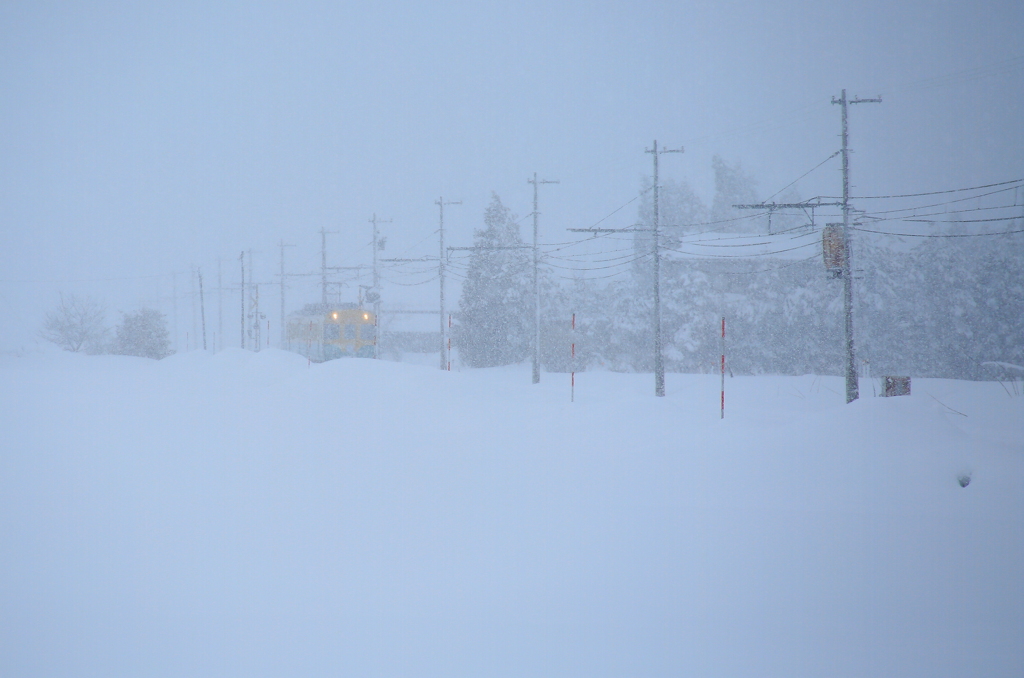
[
  {"x": 202, "y": 203},
  {"x": 144, "y": 140}
]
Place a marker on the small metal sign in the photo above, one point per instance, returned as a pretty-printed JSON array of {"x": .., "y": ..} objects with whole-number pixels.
[
  {"x": 832, "y": 248},
  {"x": 895, "y": 386}
]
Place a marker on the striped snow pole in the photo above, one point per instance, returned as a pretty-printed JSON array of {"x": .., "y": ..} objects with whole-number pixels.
[
  {"x": 723, "y": 368},
  {"x": 449, "y": 342}
]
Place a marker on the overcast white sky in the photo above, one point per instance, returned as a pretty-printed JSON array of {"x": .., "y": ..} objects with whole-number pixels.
[{"x": 143, "y": 138}]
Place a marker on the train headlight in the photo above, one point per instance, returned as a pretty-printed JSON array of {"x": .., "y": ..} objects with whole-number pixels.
[
  {"x": 335, "y": 316},
  {"x": 366, "y": 316}
]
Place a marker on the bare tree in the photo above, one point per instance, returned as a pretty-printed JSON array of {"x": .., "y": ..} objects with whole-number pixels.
[{"x": 76, "y": 324}]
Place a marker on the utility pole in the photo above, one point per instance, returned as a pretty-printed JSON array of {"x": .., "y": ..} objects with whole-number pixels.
[
  {"x": 283, "y": 335},
  {"x": 256, "y": 316},
  {"x": 852, "y": 387},
  {"x": 536, "y": 284},
  {"x": 202, "y": 306},
  {"x": 254, "y": 307},
  {"x": 659, "y": 367},
  {"x": 323, "y": 266},
  {"x": 440, "y": 202},
  {"x": 192, "y": 286},
  {"x": 241, "y": 259},
  {"x": 220, "y": 309},
  {"x": 174, "y": 307},
  {"x": 375, "y": 298}
]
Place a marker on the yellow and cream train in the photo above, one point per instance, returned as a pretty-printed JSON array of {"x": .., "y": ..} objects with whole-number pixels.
[{"x": 322, "y": 332}]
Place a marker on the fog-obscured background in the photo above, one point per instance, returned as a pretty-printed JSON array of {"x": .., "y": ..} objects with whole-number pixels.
[{"x": 137, "y": 141}]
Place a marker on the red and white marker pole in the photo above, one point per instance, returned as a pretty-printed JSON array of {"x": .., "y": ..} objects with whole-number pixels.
[
  {"x": 723, "y": 368},
  {"x": 449, "y": 342},
  {"x": 572, "y": 366}
]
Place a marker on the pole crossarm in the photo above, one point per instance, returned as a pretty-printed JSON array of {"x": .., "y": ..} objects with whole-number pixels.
[
  {"x": 496, "y": 247},
  {"x": 664, "y": 150},
  {"x": 424, "y": 258},
  {"x": 610, "y": 230},
  {"x": 858, "y": 101},
  {"x": 787, "y": 205}
]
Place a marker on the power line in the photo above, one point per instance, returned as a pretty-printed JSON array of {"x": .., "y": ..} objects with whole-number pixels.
[
  {"x": 598, "y": 268},
  {"x": 938, "y": 235},
  {"x": 967, "y": 75},
  {"x": 947, "y": 202},
  {"x": 756, "y": 235},
  {"x": 774, "y": 268},
  {"x": 961, "y": 221},
  {"x": 619, "y": 208},
  {"x": 803, "y": 175},
  {"x": 700, "y": 243},
  {"x": 91, "y": 280},
  {"x": 952, "y": 190},
  {"x": 741, "y": 256}
]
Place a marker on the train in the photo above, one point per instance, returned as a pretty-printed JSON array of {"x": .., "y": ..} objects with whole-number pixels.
[{"x": 324, "y": 332}]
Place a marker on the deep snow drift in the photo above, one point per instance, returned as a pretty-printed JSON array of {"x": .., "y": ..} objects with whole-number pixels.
[{"x": 247, "y": 514}]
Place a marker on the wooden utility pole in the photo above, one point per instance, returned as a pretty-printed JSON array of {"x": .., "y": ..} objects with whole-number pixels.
[
  {"x": 202, "y": 306},
  {"x": 659, "y": 366},
  {"x": 852, "y": 386},
  {"x": 241, "y": 259},
  {"x": 284, "y": 337},
  {"x": 374, "y": 299},
  {"x": 220, "y": 310},
  {"x": 536, "y": 283},
  {"x": 323, "y": 267},
  {"x": 440, "y": 202}
]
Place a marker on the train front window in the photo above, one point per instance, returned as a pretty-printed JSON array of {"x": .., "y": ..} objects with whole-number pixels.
[
  {"x": 367, "y": 332},
  {"x": 332, "y": 332},
  {"x": 350, "y": 332}
]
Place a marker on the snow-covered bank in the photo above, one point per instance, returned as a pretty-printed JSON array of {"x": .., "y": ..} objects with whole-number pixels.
[{"x": 249, "y": 514}]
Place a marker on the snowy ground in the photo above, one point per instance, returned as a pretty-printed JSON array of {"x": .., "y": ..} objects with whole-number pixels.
[{"x": 247, "y": 514}]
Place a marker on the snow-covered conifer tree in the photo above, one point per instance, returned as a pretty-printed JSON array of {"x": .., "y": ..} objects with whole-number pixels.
[{"x": 495, "y": 309}]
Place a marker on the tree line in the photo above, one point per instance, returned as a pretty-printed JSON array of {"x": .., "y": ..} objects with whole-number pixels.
[
  {"x": 78, "y": 324},
  {"x": 938, "y": 308}
]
